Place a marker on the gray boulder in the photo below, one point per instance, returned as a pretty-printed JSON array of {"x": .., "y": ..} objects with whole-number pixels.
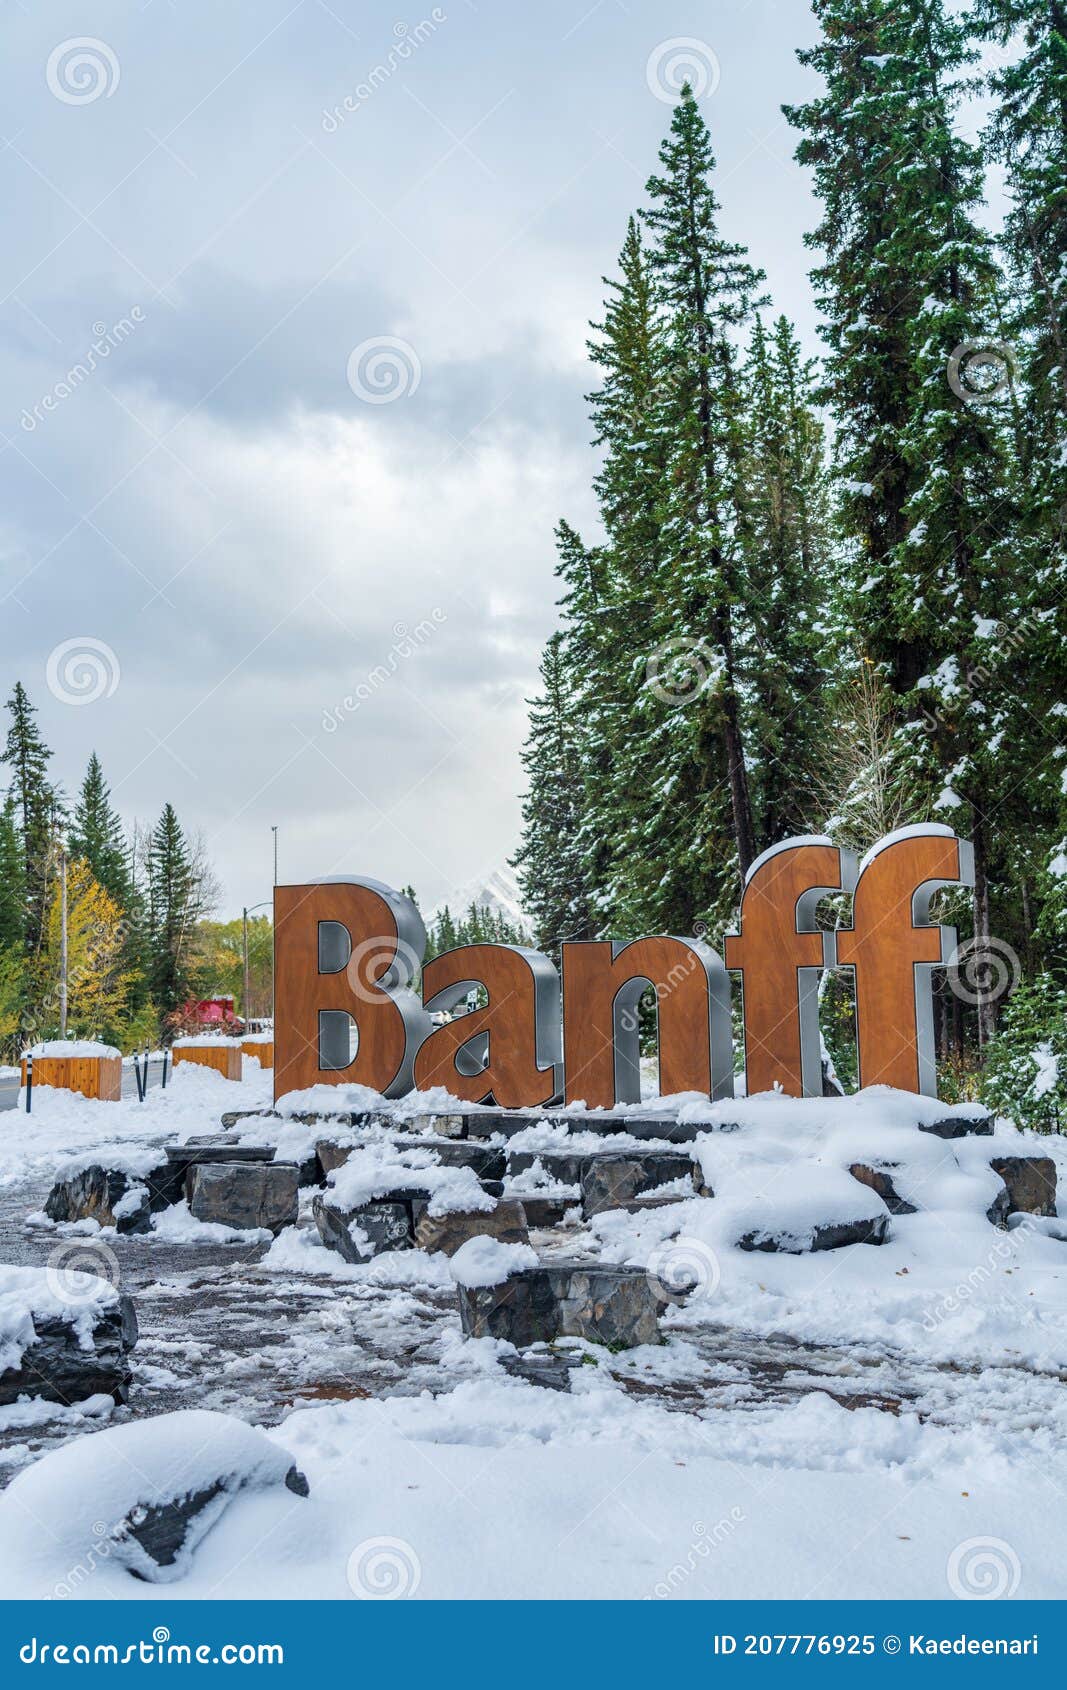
[
  {"x": 162, "y": 1534},
  {"x": 871, "y": 1229},
  {"x": 960, "y": 1126},
  {"x": 506, "y": 1222},
  {"x": 95, "y": 1193},
  {"x": 879, "y": 1177},
  {"x": 386, "y": 1225},
  {"x": 245, "y": 1194},
  {"x": 616, "y": 1177},
  {"x": 1029, "y": 1186},
  {"x": 605, "y": 1305},
  {"x": 57, "y": 1368}
]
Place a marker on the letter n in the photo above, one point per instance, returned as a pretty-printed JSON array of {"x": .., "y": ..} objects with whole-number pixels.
[{"x": 602, "y": 986}]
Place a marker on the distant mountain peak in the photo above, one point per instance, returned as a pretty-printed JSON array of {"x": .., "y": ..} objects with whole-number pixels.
[{"x": 497, "y": 891}]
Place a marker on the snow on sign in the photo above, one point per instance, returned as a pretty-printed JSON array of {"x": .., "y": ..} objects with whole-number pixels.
[{"x": 348, "y": 949}]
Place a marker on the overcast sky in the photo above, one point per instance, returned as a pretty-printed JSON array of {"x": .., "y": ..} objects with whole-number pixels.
[{"x": 238, "y": 520}]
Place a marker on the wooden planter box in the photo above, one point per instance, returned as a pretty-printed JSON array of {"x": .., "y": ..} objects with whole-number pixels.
[
  {"x": 225, "y": 1059},
  {"x": 93, "y": 1076},
  {"x": 262, "y": 1050}
]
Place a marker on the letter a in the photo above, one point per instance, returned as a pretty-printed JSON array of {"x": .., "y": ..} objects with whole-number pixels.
[
  {"x": 894, "y": 950},
  {"x": 518, "y": 1030},
  {"x": 780, "y": 954},
  {"x": 344, "y": 951}
]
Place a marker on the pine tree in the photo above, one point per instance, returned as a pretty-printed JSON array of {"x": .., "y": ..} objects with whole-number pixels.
[
  {"x": 787, "y": 580},
  {"x": 549, "y": 861},
  {"x": 96, "y": 835},
  {"x": 37, "y": 805},
  {"x": 708, "y": 289},
  {"x": 173, "y": 910},
  {"x": 909, "y": 290},
  {"x": 12, "y": 881}
]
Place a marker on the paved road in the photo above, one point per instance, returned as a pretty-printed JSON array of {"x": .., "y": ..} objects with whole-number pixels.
[{"x": 9, "y": 1087}]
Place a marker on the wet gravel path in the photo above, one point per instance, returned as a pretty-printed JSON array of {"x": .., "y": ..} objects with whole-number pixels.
[{"x": 219, "y": 1330}]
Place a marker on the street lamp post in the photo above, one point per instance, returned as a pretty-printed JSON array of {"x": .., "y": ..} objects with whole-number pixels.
[{"x": 62, "y": 941}]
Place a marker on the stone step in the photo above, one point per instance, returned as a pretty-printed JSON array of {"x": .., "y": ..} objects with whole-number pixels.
[
  {"x": 245, "y": 1194},
  {"x": 604, "y": 1305},
  {"x": 400, "y": 1220},
  {"x": 487, "y": 1161}
]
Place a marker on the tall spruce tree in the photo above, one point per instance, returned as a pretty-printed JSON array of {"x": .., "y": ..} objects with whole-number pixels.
[
  {"x": 173, "y": 910},
  {"x": 709, "y": 290},
  {"x": 96, "y": 835},
  {"x": 1027, "y": 136},
  {"x": 550, "y": 861},
  {"x": 909, "y": 288},
  {"x": 37, "y": 807},
  {"x": 787, "y": 576},
  {"x": 12, "y": 881}
]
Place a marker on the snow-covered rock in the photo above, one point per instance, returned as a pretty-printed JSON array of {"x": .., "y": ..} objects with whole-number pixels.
[
  {"x": 135, "y": 1499},
  {"x": 65, "y": 1335}
]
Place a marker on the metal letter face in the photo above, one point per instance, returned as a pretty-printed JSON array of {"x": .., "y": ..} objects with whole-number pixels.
[
  {"x": 894, "y": 951},
  {"x": 781, "y": 954},
  {"x": 602, "y": 986},
  {"x": 519, "y": 1028},
  {"x": 346, "y": 948}
]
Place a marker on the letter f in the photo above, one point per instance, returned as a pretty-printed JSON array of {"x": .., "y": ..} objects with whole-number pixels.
[{"x": 780, "y": 954}]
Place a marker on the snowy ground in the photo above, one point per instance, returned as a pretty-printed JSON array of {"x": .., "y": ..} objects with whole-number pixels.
[{"x": 867, "y": 1421}]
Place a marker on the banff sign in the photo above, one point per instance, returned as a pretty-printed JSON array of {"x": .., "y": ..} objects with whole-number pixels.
[{"x": 348, "y": 949}]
